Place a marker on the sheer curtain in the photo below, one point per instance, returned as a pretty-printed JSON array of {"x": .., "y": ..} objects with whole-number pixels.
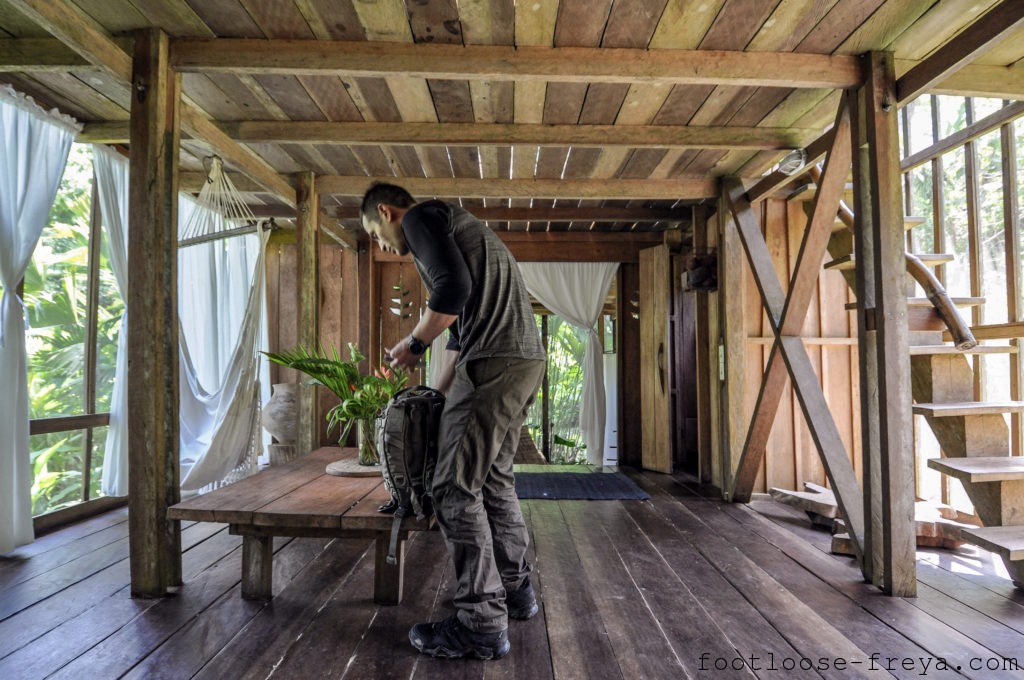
[
  {"x": 576, "y": 291},
  {"x": 34, "y": 147},
  {"x": 112, "y": 187},
  {"x": 220, "y": 303}
]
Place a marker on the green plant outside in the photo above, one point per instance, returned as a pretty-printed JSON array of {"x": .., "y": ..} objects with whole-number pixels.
[{"x": 566, "y": 347}]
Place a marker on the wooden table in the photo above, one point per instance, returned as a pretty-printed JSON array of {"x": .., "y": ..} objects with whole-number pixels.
[{"x": 300, "y": 499}]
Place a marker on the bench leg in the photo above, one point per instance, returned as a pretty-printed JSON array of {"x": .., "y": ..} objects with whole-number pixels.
[
  {"x": 387, "y": 578},
  {"x": 257, "y": 567}
]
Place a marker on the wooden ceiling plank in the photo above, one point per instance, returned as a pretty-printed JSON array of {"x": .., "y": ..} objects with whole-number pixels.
[
  {"x": 227, "y": 19},
  {"x": 989, "y": 29},
  {"x": 278, "y": 19},
  {"x": 290, "y": 96},
  {"x": 70, "y": 87},
  {"x": 884, "y": 26},
  {"x": 174, "y": 17},
  {"x": 339, "y": 16},
  {"x": 789, "y": 23},
  {"x": 534, "y": 26},
  {"x": 116, "y": 16},
  {"x": 83, "y": 35},
  {"x": 682, "y": 188},
  {"x": 314, "y": 19},
  {"x": 836, "y": 25},
  {"x": 984, "y": 81},
  {"x": 26, "y": 83},
  {"x": 502, "y": 62},
  {"x": 331, "y": 97},
  {"x": 487, "y": 22},
  {"x": 944, "y": 18}
]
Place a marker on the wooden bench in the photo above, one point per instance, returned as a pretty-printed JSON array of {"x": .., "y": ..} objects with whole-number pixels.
[{"x": 300, "y": 499}]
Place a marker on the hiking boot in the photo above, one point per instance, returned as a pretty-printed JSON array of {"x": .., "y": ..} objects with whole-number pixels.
[
  {"x": 521, "y": 603},
  {"x": 449, "y": 639}
]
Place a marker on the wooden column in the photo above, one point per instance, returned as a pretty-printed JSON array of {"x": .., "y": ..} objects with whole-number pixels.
[
  {"x": 1011, "y": 235},
  {"x": 731, "y": 356},
  {"x": 308, "y": 303},
  {"x": 882, "y": 333},
  {"x": 707, "y": 371},
  {"x": 152, "y": 302},
  {"x": 628, "y": 345}
]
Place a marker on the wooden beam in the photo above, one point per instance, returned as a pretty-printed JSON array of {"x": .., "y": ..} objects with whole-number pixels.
[
  {"x": 980, "y": 80},
  {"x": 41, "y": 55},
  {"x": 565, "y": 246},
  {"x": 236, "y": 155},
  {"x": 688, "y": 188},
  {"x": 996, "y": 24},
  {"x": 960, "y": 137},
  {"x": 498, "y": 213},
  {"x": 882, "y": 330},
  {"x": 339, "y": 234},
  {"x": 475, "y": 134},
  {"x": 79, "y": 32},
  {"x": 522, "y": 63},
  {"x": 308, "y": 303},
  {"x": 772, "y": 181},
  {"x": 152, "y": 426}
]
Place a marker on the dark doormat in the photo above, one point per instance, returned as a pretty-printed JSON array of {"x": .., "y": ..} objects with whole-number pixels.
[{"x": 583, "y": 486}]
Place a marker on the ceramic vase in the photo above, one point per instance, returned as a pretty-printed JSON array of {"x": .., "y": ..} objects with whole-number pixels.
[{"x": 280, "y": 412}]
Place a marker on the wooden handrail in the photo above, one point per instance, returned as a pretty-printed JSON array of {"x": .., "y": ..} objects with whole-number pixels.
[{"x": 959, "y": 331}]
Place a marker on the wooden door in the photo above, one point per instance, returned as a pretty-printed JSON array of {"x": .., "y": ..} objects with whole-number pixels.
[{"x": 655, "y": 358}]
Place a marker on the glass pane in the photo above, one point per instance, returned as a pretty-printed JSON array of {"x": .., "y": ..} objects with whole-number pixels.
[
  {"x": 57, "y": 466},
  {"x": 991, "y": 229},
  {"x": 919, "y": 113},
  {"x": 56, "y": 293},
  {"x": 952, "y": 115},
  {"x": 984, "y": 106},
  {"x": 566, "y": 345},
  {"x": 921, "y": 206},
  {"x": 958, "y": 280},
  {"x": 99, "y": 443},
  {"x": 108, "y": 327}
]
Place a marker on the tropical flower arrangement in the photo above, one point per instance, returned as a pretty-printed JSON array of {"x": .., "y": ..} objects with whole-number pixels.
[{"x": 362, "y": 397}]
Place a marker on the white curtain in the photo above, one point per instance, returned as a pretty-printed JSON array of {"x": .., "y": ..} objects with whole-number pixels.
[
  {"x": 576, "y": 292},
  {"x": 34, "y": 147},
  {"x": 220, "y": 302},
  {"x": 112, "y": 186}
]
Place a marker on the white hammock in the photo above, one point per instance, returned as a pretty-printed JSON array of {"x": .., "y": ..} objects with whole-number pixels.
[{"x": 220, "y": 300}]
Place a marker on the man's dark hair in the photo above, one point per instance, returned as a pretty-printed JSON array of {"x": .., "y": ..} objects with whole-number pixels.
[{"x": 389, "y": 194}]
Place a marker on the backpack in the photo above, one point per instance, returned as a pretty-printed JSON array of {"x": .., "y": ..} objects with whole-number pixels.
[{"x": 407, "y": 442}]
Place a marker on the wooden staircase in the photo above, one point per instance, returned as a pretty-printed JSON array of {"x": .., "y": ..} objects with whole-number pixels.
[{"x": 973, "y": 435}]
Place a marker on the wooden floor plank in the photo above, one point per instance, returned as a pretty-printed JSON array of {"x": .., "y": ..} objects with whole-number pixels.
[
  {"x": 190, "y": 647},
  {"x": 578, "y": 638},
  {"x": 621, "y": 566},
  {"x": 124, "y": 650},
  {"x": 626, "y": 589},
  {"x": 57, "y": 540},
  {"x": 855, "y": 622},
  {"x": 20, "y": 569},
  {"x": 75, "y": 636},
  {"x": 744, "y": 625},
  {"x": 258, "y": 647},
  {"x": 50, "y": 612},
  {"x": 935, "y": 636}
]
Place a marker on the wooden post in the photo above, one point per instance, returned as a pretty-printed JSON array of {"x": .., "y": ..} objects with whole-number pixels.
[
  {"x": 152, "y": 301},
  {"x": 628, "y": 346},
  {"x": 733, "y": 347},
  {"x": 707, "y": 372},
  {"x": 308, "y": 303},
  {"x": 882, "y": 332}
]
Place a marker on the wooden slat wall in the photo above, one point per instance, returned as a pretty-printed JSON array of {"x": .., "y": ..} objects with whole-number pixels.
[{"x": 829, "y": 332}]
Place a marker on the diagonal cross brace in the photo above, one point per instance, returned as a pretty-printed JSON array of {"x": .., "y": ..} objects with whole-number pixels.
[{"x": 786, "y": 314}]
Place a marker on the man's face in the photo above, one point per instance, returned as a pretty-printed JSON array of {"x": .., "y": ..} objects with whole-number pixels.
[{"x": 386, "y": 230}]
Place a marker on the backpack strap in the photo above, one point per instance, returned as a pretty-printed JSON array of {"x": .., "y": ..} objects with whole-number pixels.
[{"x": 396, "y": 529}]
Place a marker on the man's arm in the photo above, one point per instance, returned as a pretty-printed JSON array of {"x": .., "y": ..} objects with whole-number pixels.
[{"x": 431, "y": 325}]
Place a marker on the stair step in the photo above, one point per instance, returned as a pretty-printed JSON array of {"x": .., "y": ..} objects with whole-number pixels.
[
  {"x": 923, "y": 302},
  {"x": 1006, "y": 541},
  {"x": 968, "y": 408},
  {"x": 850, "y": 261},
  {"x": 980, "y": 469},
  {"x": 919, "y": 350},
  {"x": 909, "y": 222}
]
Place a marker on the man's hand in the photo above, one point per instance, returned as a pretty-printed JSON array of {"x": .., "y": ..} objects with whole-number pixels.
[{"x": 401, "y": 357}]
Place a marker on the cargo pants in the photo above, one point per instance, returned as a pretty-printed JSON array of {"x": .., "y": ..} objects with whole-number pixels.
[{"x": 474, "y": 489}]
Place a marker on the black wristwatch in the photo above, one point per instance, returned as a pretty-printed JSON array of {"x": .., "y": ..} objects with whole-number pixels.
[{"x": 416, "y": 346}]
